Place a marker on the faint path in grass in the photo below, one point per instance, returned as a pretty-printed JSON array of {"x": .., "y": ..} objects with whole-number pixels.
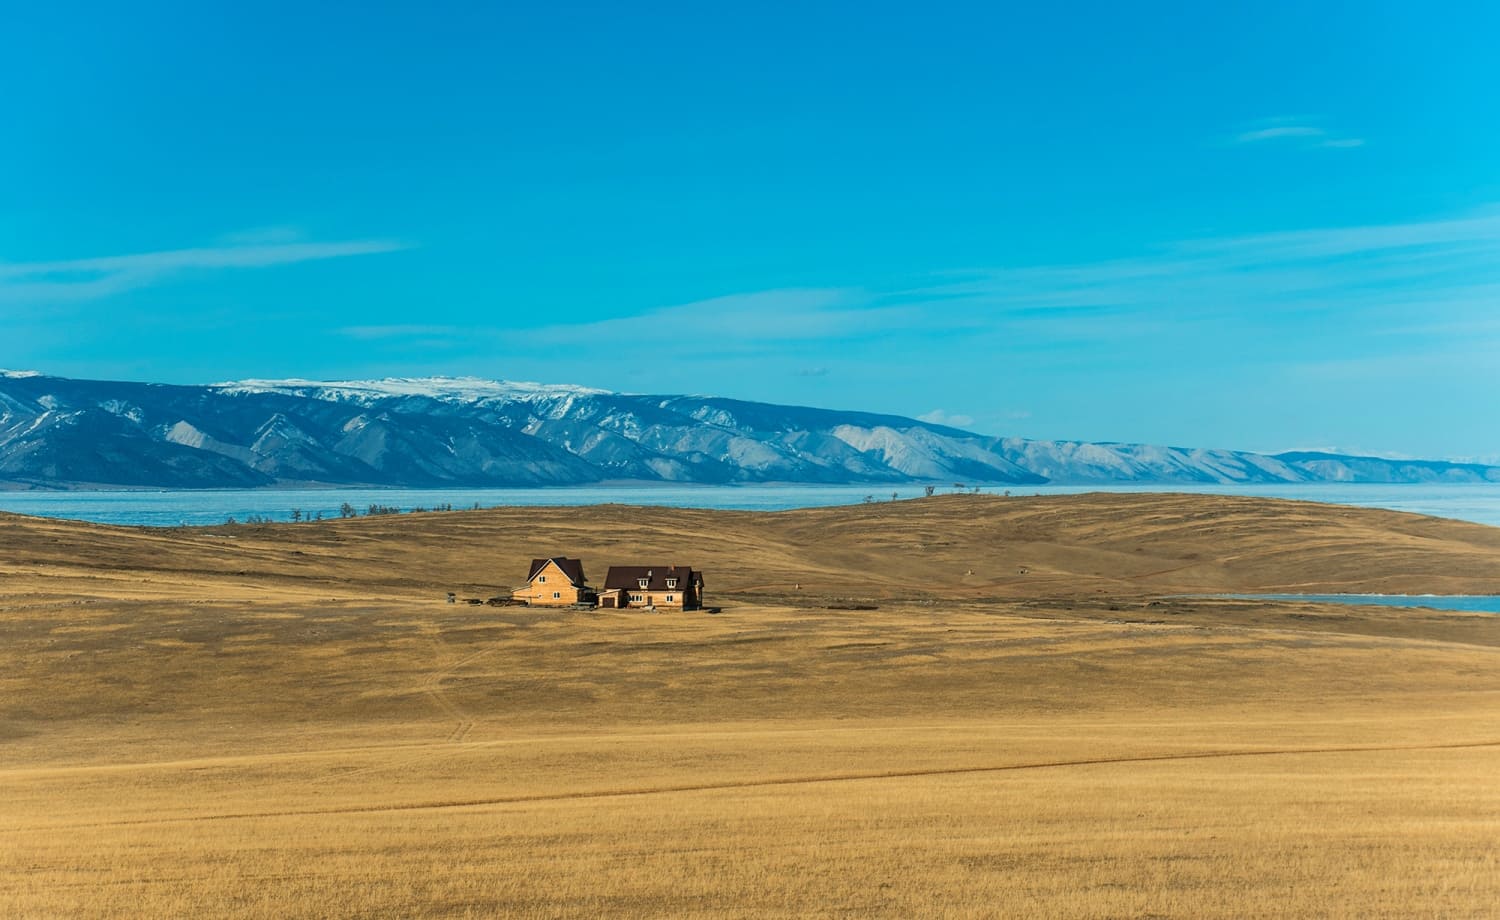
[
  {"x": 432, "y": 687},
  {"x": 787, "y": 781}
]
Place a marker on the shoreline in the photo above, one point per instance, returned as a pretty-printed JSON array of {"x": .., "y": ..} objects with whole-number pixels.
[{"x": 1474, "y": 503}]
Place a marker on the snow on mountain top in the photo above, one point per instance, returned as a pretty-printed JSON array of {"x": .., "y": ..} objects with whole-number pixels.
[
  {"x": 6, "y": 373},
  {"x": 450, "y": 389}
]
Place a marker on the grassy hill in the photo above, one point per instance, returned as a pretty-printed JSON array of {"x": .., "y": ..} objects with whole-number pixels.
[{"x": 289, "y": 719}]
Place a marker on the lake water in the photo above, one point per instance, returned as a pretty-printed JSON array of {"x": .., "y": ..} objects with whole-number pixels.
[
  {"x": 1482, "y": 603},
  {"x": 1469, "y": 502}
]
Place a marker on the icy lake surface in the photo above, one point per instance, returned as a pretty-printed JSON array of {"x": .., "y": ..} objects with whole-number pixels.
[{"x": 1469, "y": 502}]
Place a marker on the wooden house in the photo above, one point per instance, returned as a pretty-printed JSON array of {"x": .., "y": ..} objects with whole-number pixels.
[
  {"x": 555, "y": 582},
  {"x": 675, "y": 586}
]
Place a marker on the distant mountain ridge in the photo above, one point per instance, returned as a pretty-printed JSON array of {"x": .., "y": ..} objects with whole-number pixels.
[{"x": 57, "y": 432}]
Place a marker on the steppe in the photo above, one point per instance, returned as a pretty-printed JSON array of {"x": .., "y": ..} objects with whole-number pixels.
[{"x": 1037, "y": 720}]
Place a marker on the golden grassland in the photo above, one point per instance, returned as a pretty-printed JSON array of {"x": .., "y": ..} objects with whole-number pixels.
[{"x": 289, "y": 720}]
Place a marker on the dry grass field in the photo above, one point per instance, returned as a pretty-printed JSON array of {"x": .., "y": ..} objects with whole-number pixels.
[{"x": 289, "y": 720}]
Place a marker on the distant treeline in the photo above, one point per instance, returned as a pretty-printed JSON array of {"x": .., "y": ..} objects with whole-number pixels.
[{"x": 346, "y": 510}]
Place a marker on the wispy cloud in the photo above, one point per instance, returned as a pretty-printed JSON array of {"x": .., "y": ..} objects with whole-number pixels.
[
  {"x": 1276, "y": 134},
  {"x": 1453, "y": 262},
  {"x": 1300, "y": 132},
  {"x": 93, "y": 278},
  {"x": 939, "y": 417},
  {"x": 777, "y": 316},
  {"x": 1357, "y": 282}
]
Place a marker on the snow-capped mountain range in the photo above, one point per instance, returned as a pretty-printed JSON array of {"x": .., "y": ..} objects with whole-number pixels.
[{"x": 58, "y": 433}]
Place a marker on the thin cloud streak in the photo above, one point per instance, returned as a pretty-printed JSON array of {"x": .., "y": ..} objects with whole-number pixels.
[
  {"x": 1300, "y": 132},
  {"x": 93, "y": 278},
  {"x": 1371, "y": 279},
  {"x": 1453, "y": 262},
  {"x": 743, "y": 321},
  {"x": 941, "y": 417},
  {"x": 1271, "y": 134}
]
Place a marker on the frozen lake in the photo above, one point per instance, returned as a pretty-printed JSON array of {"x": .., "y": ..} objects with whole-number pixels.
[
  {"x": 1469, "y": 502},
  {"x": 1483, "y": 603}
]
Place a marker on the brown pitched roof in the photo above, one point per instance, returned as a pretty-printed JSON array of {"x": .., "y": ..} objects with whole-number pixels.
[
  {"x": 629, "y": 576},
  {"x": 573, "y": 568}
]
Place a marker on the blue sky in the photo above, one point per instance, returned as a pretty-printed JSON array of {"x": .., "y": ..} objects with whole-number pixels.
[{"x": 1270, "y": 228}]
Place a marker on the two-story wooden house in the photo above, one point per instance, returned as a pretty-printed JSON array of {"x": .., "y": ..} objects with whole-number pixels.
[
  {"x": 555, "y": 582},
  {"x": 675, "y": 586}
]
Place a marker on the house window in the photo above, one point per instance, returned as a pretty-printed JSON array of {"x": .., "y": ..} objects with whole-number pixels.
[
  {"x": 557, "y": 594},
  {"x": 636, "y": 598},
  {"x": 642, "y": 582},
  {"x": 543, "y": 579},
  {"x": 669, "y": 598},
  {"x": 671, "y": 583}
]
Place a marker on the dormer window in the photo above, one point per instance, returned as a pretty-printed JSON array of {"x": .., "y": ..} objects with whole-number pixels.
[
  {"x": 671, "y": 582},
  {"x": 643, "y": 582}
]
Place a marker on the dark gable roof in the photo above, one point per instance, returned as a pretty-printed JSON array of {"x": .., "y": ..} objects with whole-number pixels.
[
  {"x": 629, "y": 577},
  {"x": 573, "y": 568}
]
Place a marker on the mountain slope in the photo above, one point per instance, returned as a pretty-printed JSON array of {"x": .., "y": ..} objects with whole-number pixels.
[{"x": 58, "y": 432}]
